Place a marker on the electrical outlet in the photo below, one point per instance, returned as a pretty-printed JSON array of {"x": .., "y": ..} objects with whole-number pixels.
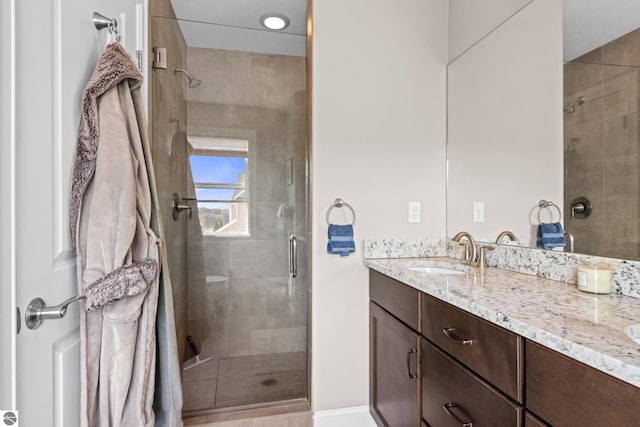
[
  {"x": 478, "y": 211},
  {"x": 414, "y": 211}
]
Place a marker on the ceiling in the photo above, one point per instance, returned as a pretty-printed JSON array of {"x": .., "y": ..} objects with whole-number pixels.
[
  {"x": 235, "y": 25},
  {"x": 588, "y": 24}
]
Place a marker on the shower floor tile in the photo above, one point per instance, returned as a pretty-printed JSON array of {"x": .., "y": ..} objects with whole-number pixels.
[
  {"x": 198, "y": 395},
  {"x": 262, "y": 378},
  {"x": 246, "y": 380}
]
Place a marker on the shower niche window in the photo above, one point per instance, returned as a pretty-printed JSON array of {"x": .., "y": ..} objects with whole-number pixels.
[{"x": 219, "y": 169}]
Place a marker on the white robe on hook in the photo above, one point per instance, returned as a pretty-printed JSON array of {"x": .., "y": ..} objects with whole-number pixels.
[{"x": 110, "y": 218}]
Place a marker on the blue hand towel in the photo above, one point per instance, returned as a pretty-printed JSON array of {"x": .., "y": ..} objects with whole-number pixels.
[
  {"x": 341, "y": 240},
  {"x": 550, "y": 236}
]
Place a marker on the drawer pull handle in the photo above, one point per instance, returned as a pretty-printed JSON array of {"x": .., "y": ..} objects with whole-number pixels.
[
  {"x": 409, "y": 353},
  {"x": 447, "y": 408},
  {"x": 451, "y": 333}
]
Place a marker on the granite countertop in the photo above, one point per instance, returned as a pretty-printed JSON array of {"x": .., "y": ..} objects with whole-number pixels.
[{"x": 586, "y": 327}]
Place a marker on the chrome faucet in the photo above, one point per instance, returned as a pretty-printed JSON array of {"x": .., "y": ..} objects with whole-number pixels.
[
  {"x": 470, "y": 250},
  {"x": 508, "y": 234}
]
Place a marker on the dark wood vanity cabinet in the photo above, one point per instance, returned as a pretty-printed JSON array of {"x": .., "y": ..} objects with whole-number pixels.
[
  {"x": 433, "y": 364},
  {"x": 565, "y": 392},
  {"x": 418, "y": 375},
  {"x": 394, "y": 351}
]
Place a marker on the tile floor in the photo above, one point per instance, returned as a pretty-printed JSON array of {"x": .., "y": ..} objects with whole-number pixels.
[
  {"x": 300, "y": 419},
  {"x": 245, "y": 380}
]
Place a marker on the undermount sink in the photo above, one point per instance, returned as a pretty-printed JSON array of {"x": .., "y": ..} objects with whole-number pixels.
[
  {"x": 437, "y": 268},
  {"x": 633, "y": 332}
]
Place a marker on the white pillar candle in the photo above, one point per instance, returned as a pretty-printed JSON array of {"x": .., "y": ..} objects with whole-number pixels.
[{"x": 594, "y": 279}]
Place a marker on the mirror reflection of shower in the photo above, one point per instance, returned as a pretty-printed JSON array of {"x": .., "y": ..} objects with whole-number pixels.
[
  {"x": 571, "y": 107},
  {"x": 192, "y": 81}
]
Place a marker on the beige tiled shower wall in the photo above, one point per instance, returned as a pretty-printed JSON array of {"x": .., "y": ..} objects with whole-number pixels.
[
  {"x": 602, "y": 148},
  {"x": 168, "y": 122},
  {"x": 240, "y": 302}
]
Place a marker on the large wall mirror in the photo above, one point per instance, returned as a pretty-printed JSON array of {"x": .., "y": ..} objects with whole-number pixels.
[{"x": 520, "y": 132}]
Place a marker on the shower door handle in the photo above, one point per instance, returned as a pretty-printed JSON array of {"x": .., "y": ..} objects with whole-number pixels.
[{"x": 293, "y": 256}]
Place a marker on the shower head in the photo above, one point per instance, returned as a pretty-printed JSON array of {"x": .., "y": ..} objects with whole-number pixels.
[
  {"x": 192, "y": 81},
  {"x": 571, "y": 107}
]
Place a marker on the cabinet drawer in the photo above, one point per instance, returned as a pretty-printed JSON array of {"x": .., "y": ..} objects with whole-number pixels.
[
  {"x": 453, "y": 395},
  {"x": 494, "y": 353},
  {"x": 565, "y": 392},
  {"x": 399, "y": 299}
]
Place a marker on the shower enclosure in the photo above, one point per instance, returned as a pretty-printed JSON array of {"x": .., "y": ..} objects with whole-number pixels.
[{"x": 230, "y": 147}]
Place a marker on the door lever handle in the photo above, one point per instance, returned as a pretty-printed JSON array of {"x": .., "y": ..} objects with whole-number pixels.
[{"x": 37, "y": 311}]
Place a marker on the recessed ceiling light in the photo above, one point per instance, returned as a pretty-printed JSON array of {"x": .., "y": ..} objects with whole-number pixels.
[{"x": 274, "y": 21}]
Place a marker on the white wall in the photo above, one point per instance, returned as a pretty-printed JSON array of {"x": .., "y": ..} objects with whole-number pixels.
[
  {"x": 505, "y": 143},
  {"x": 378, "y": 142},
  {"x": 470, "y": 20}
]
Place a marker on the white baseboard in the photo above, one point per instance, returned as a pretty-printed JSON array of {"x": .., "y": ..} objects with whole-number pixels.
[{"x": 355, "y": 416}]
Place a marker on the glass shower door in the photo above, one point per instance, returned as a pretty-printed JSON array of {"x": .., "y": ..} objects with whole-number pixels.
[{"x": 238, "y": 151}]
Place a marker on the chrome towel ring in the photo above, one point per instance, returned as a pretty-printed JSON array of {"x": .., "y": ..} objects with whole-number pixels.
[
  {"x": 543, "y": 204},
  {"x": 338, "y": 203}
]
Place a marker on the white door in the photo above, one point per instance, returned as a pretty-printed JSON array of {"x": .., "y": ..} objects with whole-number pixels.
[{"x": 56, "y": 48}]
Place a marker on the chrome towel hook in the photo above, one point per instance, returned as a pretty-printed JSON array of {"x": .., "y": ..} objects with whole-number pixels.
[{"x": 101, "y": 21}]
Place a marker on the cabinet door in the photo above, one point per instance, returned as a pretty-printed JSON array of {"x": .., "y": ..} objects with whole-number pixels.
[
  {"x": 452, "y": 396},
  {"x": 395, "y": 371}
]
